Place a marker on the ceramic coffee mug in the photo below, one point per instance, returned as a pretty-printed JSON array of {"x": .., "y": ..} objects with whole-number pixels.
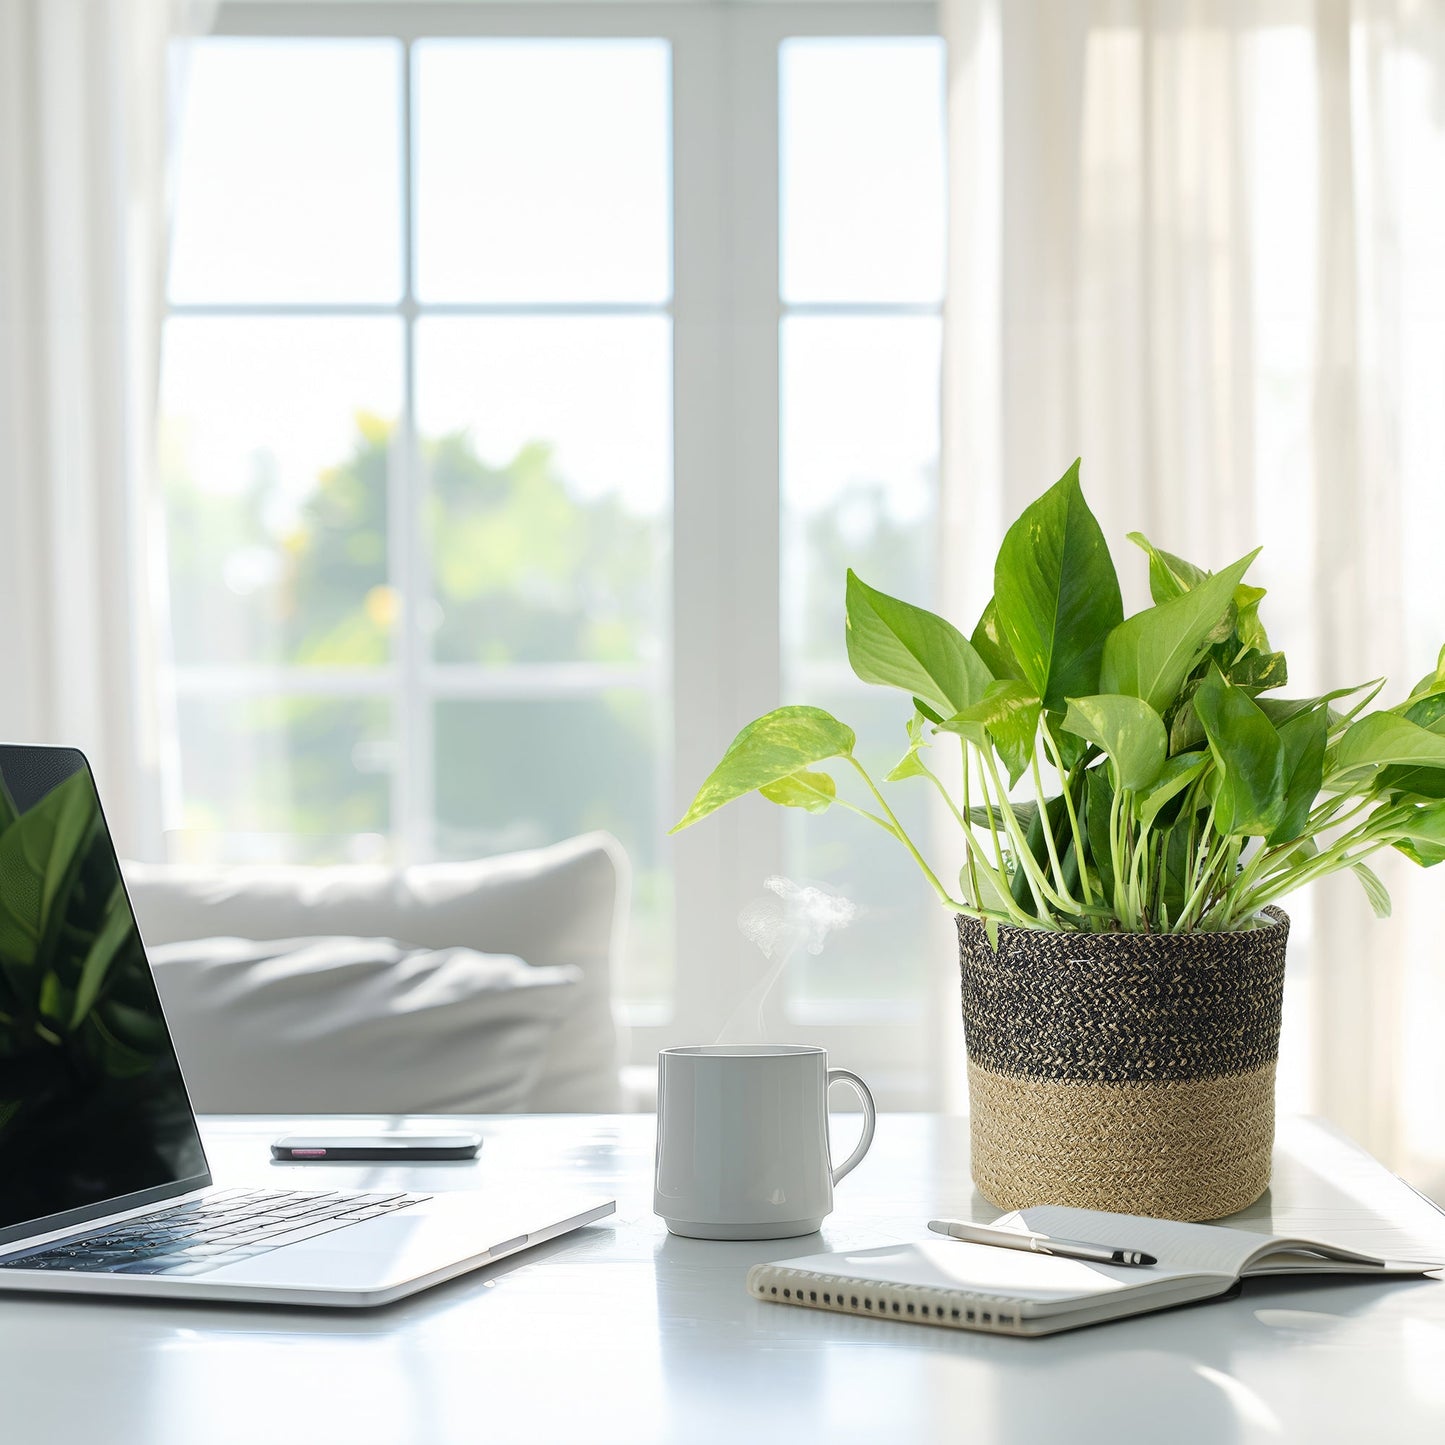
[{"x": 742, "y": 1140}]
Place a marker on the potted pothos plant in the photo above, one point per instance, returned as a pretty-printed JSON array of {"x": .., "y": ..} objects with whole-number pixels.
[{"x": 1132, "y": 799}]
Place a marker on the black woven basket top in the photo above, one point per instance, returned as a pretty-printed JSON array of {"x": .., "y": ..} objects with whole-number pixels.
[{"x": 1119, "y": 1007}]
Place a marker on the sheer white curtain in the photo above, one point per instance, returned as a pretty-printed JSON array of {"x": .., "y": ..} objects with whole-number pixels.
[
  {"x": 84, "y": 87},
  {"x": 1202, "y": 244}
]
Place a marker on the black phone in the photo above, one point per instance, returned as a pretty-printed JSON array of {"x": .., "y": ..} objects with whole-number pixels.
[{"x": 399, "y": 1148}]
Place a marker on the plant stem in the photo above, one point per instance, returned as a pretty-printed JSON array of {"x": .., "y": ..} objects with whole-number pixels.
[
  {"x": 1056, "y": 756},
  {"x": 969, "y": 845},
  {"x": 1038, "y": 884},
  {"x": 1121, "y": 894},
  {"x": 1047, "y": 824},
  {"x": 988, "y": 810},
  {"x": 999, "y": 880},
  {"x": 1376, "y": 831},
  {"x": 960, "y": 817},
  {"x": 1186, "y": 914},
  {"x": 899, "y": 832}
]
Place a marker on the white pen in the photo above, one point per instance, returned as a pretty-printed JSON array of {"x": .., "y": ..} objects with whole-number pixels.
[{"x": 1039, "y": 1243}]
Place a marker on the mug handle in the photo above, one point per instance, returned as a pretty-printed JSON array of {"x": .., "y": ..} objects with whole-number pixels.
[{"x": 870, "y": 1118}]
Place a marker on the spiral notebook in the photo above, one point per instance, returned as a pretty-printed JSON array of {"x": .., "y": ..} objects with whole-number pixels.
[{"x": 981, "y": 1287}]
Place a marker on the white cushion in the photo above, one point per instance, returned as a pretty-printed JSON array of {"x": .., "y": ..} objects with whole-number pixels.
[
  {"x": 562, "y": 905},
  {"x": 356, "y": 1025}
]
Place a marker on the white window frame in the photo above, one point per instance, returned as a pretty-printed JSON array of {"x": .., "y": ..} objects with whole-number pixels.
[{"x": 723, "y": 663}]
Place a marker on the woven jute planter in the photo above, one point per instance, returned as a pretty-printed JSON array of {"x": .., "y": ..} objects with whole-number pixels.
[{"x": 1123, "y": 1071}]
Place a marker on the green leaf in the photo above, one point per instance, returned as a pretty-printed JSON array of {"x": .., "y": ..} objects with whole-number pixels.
[
  {"x": 910, "y": 765},
  {"x": 1150, "y": 654},
  {"x": 895, "y": 644},
  {"x": 1169, "y": 576},
  {"x": 1257, "y": 671},
  {"x": 1128, "y": 730},
  {"x": 1375, "y": 891},
  {"x": 1176, "y": 775},
  {"x": 1056, "y": 592},
  {"x": 1304, "y": 739},
  {"x": 992, "y": 646},
  {"x": 1186, "y": 732},
  {"x": 1432, "y": 681},
  {"x": 1024, "y": 814},
  {"x": 931, "y": 714},
  {"x": 1098, "y": 803},
  {"x": 1426, "y": 843},
  {"x": 1249, "y": 798},
  {"x": 1279, "y": 710},
  {"x": 1178, "y": 860},
  {"x": 1009, "y": 713},
  {"x": 1380, "y": 739},
  {"x": 813, "y": 792},
  {"x": 775, "y": 746},
  {"x": 1428, "y": 712},
  {"x": 1072, "y": 748},
  {"x": 989, "y": 896},
  {"x": 1247, "y": 626},
  {"x": 1427, "y": 855}
]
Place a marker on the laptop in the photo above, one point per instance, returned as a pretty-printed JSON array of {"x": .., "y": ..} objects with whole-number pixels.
[{"x": 104, "y": 1184}]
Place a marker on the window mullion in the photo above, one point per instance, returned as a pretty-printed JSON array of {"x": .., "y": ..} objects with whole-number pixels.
[
  {"x": 406, "y": 536},
  {"x": 725, "y": 518}
]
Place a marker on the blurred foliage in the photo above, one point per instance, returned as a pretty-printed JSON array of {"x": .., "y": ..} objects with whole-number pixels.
[
  {"x": 526, "y": 567},
  {"x": 76, "y": 1000}
]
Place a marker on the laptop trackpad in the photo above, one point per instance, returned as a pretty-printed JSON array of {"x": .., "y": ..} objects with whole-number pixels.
[{"x": 376, "y": 1252}]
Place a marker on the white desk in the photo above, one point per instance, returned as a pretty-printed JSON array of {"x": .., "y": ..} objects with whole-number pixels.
[{"x": 624, "y": 1334}]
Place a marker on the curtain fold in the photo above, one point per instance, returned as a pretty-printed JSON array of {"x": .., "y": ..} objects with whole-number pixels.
[
  {"x": 1202, "y": 245},
  {"x": 85, "y": 87}
]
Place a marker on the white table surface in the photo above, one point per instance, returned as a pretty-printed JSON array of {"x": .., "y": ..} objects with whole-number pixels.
[{"x": 621, "y": 1333}]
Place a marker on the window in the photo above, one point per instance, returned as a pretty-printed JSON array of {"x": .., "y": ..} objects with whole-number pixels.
[{"x": 531, "y": 375}]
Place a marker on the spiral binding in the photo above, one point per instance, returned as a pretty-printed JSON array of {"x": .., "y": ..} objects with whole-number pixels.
[{"x": 918, "y": 1304}]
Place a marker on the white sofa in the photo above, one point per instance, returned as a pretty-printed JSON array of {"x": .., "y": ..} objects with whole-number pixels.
[{"x": 562, "y": 906}]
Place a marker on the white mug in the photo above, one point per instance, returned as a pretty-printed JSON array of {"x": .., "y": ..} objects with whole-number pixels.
[{"x": 742, "y": 1140}]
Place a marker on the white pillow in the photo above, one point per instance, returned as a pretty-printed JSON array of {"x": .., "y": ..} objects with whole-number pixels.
[
  {"x": 563, "y": 904},
  {"x": 357, "y": 1025}
]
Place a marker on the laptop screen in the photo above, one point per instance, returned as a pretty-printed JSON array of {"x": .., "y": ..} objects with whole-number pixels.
[{"x": 92, "y": 1105}]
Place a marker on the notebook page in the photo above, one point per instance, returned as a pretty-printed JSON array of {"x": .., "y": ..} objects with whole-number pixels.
[
  {"x": 1186, "y": 1248},
  {"x": 985, "y": 1270},
  {"x": 1326, "y": 1187}
]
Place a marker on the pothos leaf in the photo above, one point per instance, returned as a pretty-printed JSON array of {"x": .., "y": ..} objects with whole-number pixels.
[
  {"x": 1174, "y": 777},
  {"x": 992, "y": 646},
  {"x": 772, "y": 747},
  {"x": 1426, "y": 842},
  {"x": 1009, "y": 714},
  {"x": 1057, "y": 593},
  {"x": 1150, "y": 654},
  {"x": 813, "y": 792},
  {"x": 1304, "y": 739},
  {"x": 1428, "y": 711},
  {"x": 895, "y": 644},
  {"x": 1169, "y": 576},
  {"x": 1098, "y": 803},
  {"x": 910, "y": 765},
  {"x": 1128, "y": 730},
  {"x": 1249, "y": 797},
  {"x": 1375, "y": 890}
]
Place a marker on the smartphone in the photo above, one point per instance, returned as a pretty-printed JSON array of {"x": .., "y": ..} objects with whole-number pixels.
[{"x": 400, "y": 1148}]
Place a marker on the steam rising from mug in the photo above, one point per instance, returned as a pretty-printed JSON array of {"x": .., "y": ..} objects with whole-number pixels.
[{"x": 788, "y": 917}]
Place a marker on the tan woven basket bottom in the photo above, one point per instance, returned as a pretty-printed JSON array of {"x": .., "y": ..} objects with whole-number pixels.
[{"x": 1187, "y": 1149}]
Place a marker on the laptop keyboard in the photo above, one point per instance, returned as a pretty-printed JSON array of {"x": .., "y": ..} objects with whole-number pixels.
[{"x": 219, "y": 1229}]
